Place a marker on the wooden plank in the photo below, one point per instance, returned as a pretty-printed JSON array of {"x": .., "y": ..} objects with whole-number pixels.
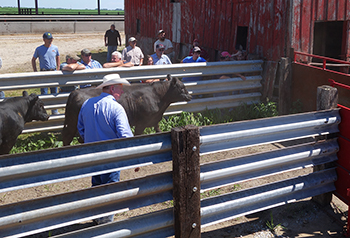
[
  {"x": 331, "y": 10},
  {"x": 285, "y": 85},
  {"x": 340, "y": 10},
  {"x": 296, "y": 26},
  {"x": 305, "y": 23},
  {"x": 186, "y": 181}
]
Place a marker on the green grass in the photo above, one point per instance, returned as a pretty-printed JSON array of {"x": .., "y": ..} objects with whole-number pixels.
[
  {"x": 60, "y": 11},
  {"x": 39, "y": 141}
]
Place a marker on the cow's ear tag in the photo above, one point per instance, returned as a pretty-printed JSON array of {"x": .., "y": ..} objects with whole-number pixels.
[{"x": 19, "y": 114}]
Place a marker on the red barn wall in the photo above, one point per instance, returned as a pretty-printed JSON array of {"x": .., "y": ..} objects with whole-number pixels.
[
  {"x": 274, "y": 26},
  {"x": 213, "y": 22}
]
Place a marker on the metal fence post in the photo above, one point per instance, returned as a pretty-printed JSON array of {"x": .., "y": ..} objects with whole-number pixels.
[
  {"x": 186, "y": 181},
  {"x": 327, "y": 98}
]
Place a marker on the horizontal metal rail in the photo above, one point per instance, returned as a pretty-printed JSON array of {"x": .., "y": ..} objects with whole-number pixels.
[
  {"x": 20, "y": 171},
  {"x": 220, "y": 208},
  {"x": 95, "y": 76},
  {"x": 29, "y": 169},
  {"x": 83, "y": 205},
  {"x": 236, "y": 170},
  {"x": 229, "y": 206},
  {"x": 223, "y": 137},
  {"x": 210, "y": 88},
  {"x": 94, "y": 202}
]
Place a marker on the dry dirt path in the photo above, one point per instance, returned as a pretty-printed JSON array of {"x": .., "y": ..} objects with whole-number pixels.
[{"x": 16, "y": 51}]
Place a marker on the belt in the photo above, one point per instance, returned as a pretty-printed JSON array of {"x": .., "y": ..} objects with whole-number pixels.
[{"x": 47, "y": 69}]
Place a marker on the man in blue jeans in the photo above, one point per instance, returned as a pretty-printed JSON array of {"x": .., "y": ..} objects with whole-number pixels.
[
  {"x": 111, "y": 41},
  {"x": 49, "y": 60},
  {"x": 103, "y": 118}
]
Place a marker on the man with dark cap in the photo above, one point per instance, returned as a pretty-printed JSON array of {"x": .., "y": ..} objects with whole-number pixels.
[
  {"x": 88, "y": 63},
  {"x": 168, "y": 46},
  {"x": 196, "y": 58},
  {"x": 160, "y": 58},
  {"x": 71, "y": 65},
  {"x": 111, "y": 41},
  {"x": 49, "y": 60}
]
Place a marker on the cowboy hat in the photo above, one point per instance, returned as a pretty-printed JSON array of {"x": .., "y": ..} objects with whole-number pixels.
[{"x": 112, "y": 79}]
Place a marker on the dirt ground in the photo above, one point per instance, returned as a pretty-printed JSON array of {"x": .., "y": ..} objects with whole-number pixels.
[{"x": 300, "y": 219}]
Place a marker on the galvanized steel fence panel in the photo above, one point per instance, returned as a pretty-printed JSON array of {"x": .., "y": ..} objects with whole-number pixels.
[
  {"x": 209, "y": 88},
  {"x": 35, "y": 168}
]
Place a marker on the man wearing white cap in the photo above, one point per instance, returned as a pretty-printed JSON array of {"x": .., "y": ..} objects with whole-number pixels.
[
  {"x": 103, "y": 118},
  {"x": 132, "y": 53}
]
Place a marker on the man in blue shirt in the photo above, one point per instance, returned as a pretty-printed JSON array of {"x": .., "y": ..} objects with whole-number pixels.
[
  {"x": 196, "y": 58},
  {"x": 103, "y": 118},
  {"x": 88, "y": 63},
  {"x": 49, "y": 60},
  {"x": 160, "y": 58}
]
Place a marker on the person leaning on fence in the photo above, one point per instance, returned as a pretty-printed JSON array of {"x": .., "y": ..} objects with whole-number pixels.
[
  {"x": 103, "y": 118},
  {"x": 160, "y": 58},
  {"x": 49, "y": 60},
  {"x": 204, "y": 54},
  {"x": 88, "y": 63},
  {"x": 72, "y": 63},
  {"x": 132, "y": 53},
  {"x": 196, "y": 58},
  {"x": 111, "y": 41},
  {"x": 149, "y": 61},
  {"x": 116, "y": 61}
]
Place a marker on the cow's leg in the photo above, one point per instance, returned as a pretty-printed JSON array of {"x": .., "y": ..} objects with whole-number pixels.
[
  {"x": 68, "y": 133},
  {"x": 139, "y": 130},
  {"x": 156, "y": 127},
  {"x": 6, "y": 146}
]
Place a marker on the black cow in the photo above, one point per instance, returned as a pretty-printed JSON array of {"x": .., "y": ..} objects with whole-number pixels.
[
  {"x": 14, "y": 113},
  {"x": 144, "y": 104}
]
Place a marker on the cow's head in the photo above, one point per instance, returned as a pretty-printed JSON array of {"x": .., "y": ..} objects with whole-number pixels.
[
  {"x": 178, "y": 90},
  {"x": 36, "y": 110}
]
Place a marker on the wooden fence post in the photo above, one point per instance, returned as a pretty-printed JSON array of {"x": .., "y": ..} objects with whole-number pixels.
[
  {"x": 327, "y": 98},
  {"x": 186, "y": 181}
]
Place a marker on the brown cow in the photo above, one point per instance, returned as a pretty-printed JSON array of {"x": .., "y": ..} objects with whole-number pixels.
[{"x": 144, "y": 104}]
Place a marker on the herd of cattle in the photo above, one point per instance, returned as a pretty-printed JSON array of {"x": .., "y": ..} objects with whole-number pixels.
[{"x": 144, "y": 105}]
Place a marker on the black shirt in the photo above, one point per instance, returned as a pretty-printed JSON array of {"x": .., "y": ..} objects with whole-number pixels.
[{"x": 112, "y": 37}]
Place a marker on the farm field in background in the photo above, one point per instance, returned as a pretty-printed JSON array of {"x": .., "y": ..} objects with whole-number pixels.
[{"x": 60, "y": 11}]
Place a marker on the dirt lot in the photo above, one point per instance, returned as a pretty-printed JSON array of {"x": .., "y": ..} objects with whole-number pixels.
[{"x": 301, "y": 219}]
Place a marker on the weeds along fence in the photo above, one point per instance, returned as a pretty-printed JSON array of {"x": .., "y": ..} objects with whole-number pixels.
[
  {"x": 246, "y": 91},
  {"x": 183, "y": 184}
]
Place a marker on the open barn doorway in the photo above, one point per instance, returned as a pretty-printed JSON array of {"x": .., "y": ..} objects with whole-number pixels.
[{"x": 328, "y": 39}]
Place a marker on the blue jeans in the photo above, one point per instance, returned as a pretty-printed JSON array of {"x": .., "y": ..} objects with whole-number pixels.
[
  {"x": 105, "y": 178},
  {"x": 111, "y": 49},
  {"x": 44, "y": 91}
]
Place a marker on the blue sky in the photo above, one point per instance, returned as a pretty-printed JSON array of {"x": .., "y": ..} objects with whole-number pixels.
[{"x": 70, "y": 4}]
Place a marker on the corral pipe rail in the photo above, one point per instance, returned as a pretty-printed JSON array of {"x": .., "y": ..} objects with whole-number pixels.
[
  {"x": 343, "y": 166},
  {"x": 324, "y": 64}
]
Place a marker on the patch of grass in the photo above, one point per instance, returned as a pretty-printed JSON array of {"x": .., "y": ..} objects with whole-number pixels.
[
  {"x": 271, "y": 225},
  {"x": 211, "y": 193}
]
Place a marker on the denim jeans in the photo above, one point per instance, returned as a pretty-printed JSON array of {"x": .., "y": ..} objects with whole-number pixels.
[
  {"x": 111, "y": 49},
  {"x": 44, "y": 91}
]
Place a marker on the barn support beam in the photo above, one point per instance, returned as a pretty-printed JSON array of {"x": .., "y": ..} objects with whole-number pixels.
[{"x": 186, "y": 181}]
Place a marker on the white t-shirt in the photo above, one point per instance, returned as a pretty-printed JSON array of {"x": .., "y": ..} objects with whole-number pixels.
[{"x": 167, "y": 44}]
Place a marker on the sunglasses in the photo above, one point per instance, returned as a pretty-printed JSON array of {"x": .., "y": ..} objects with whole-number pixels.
[
  {"x": 161, "y": 49},
  {"x": 87, "y": 55}
]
